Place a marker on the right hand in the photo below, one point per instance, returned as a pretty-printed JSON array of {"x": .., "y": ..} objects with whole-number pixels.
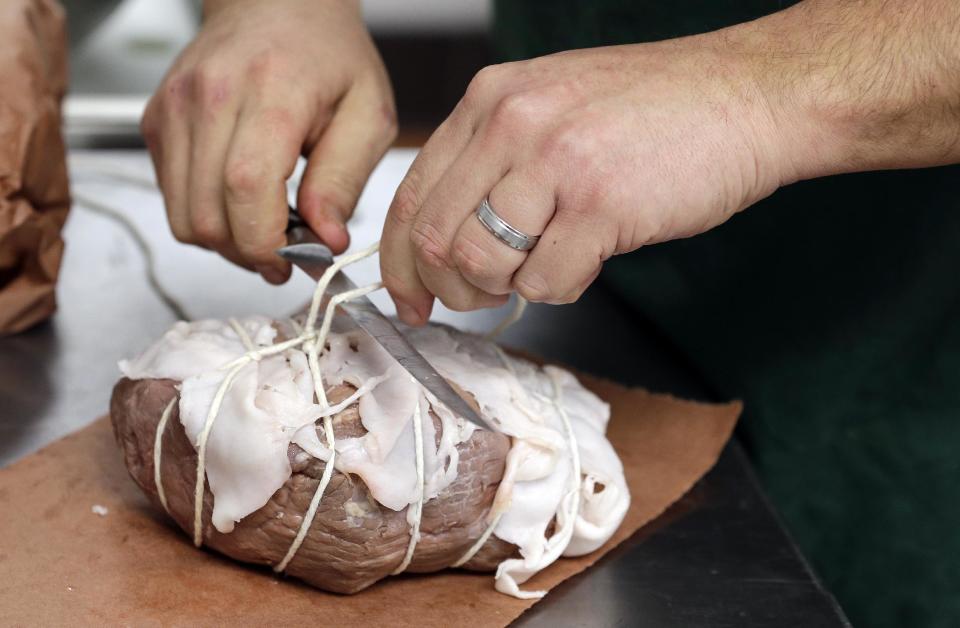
[{"x": 263, "y": 82}]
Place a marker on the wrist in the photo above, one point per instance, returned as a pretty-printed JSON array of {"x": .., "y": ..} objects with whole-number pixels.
[
  {"x": 799, "y": 128},
  {"x": 764, "y": 134}
]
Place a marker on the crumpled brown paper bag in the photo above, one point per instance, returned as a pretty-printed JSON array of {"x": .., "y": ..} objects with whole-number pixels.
[
  {"x": 61, "y": 562},
  {"x": 34, "y": 195}
]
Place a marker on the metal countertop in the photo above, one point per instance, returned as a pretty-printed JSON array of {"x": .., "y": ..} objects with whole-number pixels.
[{"x": 719, "y": 557}]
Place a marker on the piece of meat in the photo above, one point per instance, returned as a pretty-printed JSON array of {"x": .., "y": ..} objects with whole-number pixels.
[{"x": 353, "y": 541}]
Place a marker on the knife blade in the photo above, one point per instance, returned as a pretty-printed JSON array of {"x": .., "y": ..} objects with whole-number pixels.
[{"x": 305, "y": 251}]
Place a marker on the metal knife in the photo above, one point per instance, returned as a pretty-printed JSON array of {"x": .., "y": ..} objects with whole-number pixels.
[{"x": 305, "y": 251}]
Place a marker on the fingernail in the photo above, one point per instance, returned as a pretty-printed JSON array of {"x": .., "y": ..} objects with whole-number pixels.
[
  {"x": 271, "y": 274},
  {"x": 408, "y": 314}
]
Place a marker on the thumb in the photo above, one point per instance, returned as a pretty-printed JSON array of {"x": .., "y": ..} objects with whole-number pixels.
[{"x": 339, "y": 165}]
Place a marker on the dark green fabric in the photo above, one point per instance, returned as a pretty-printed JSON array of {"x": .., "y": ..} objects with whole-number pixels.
[{"x": 832, "y": 309}]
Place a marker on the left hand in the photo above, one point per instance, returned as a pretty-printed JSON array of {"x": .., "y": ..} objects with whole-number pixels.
[
  {"x": 263, "y": 82},
  {"x": 601, "y": 151}
]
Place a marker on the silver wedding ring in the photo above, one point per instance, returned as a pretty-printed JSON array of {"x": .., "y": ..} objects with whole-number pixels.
[{"x": 503, "y": 230}]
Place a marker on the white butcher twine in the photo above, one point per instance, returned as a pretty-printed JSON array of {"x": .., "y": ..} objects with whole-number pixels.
[
  {"x": 157, "y": 445},
  {"x": 418, "y": 506},
  {"x": 558, "y": 458}
]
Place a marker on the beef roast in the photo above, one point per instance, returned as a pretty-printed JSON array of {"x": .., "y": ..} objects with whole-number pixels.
[{"x": 353, "y": 541}]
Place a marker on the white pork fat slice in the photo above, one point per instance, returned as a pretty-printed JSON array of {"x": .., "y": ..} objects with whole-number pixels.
[
  {"x": 383, "y": 457},
  {"x": 604, "y": 496},
  {"x": 246, "y": 455},
  {"x": 533, "y": 503},
  {"x": 262, "y": 412},
  {"x": 385, "y": 410},
  {"x": 197, "y": 347},
  {"x": 501, "y": 396},
  {"x": 392, "y": 481}
]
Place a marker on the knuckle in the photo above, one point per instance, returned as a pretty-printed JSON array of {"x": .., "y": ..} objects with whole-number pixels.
[
  {"x": 516, "y": 111},
  {"x": 454, "y": 304},
  {"x": 482, "y": 85},
  {"x": 389, "y": 126},
  {"x": 566, "y": 299},
  {"x": 594, "y": 197},
  {"x": 266, "y": 64},
  {"x": 459, "y": 301},
  {"x": 148, "y": 122},
  {"x": 532, "y": 287},
  {"x": 207, "y": 228},
  {"x": 649, "y": 227},
  {"x": 209, "y": 85},
  {"x": 255, "y": 248},
  {"x": 327, "y": 202},
  {"x": 564, "y": 145},
  {"x": 243, "y": 177},
  {"x": 406, "y": 200},
  {"x": 175, "y": 90},
  {"x": 149, "y": 133},
  {"x": 323, "y": 201},
  {"x": 182, "y": 232},
  {"x": 394, "y": 284},
  {"x": 471, "y": 260},
  {"x": 575, "y": 210},
  {"x": 428, "y": 246},
  {"x": 279, "y": 122},
  {"x": 339, "y": 188}
]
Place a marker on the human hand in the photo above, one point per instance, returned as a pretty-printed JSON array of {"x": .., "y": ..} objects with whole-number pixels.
[
  {"x": 601, "y": 151},
  {"x": 262, "y": 83}
]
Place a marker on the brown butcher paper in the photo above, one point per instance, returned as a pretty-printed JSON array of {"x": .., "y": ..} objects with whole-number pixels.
[
  {"x": 63, "y": 562},
  {"x": 34, "y": 196}
]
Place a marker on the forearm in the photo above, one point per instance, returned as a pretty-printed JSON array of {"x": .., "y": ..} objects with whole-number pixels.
[{"x": 859, "y": 84}]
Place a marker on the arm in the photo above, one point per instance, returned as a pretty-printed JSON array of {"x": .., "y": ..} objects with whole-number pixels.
[
  {"x": 862, "y": 85},
  {"x": 605, "y": 150},
  {"x": 264, "y": 82}
]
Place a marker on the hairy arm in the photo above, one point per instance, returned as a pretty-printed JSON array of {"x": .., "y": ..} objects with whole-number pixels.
[
  {"x": 605, "y": 150},
  {"x": 859, "y": 84}
]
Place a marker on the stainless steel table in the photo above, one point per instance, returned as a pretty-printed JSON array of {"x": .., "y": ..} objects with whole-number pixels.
[{"x": 717, "y": 558}]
